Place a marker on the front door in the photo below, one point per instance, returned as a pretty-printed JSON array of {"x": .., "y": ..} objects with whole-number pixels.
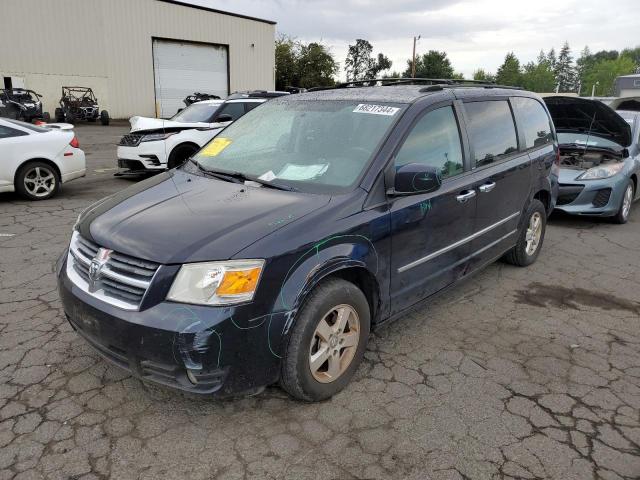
[{"x": 429, "y": 244}]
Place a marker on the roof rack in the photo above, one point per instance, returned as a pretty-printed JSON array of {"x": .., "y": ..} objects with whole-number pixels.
[{"x": 433, "y": 83}]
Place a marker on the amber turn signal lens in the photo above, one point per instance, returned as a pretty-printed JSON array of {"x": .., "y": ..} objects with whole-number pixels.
[{"x": 238, "y": 282}]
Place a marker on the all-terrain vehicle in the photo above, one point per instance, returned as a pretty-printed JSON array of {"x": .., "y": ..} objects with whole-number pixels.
[
  {"x": 80, "y": 103},
  {"x": 22, "y": 104},
  {"x": 199, "y": 97}
]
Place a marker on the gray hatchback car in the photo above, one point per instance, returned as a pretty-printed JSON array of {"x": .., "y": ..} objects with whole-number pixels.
[{"x": 600, "y": 157}]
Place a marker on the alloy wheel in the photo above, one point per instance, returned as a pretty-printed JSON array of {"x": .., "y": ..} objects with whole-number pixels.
[
  {"x": 39, "y": 181},
  {"x": 534, "y": 233},
  {"x": 334, "y": 343}
]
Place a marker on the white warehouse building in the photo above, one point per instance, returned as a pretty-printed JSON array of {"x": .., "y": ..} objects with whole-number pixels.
[{"x": 140, "y": 57}]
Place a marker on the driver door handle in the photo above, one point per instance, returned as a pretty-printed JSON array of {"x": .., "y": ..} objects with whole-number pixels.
[
  {"x": 465, "y": 196},
  {"x": 487, "y": 187}
]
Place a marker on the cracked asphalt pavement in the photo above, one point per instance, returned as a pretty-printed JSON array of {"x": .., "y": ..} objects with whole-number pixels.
[{"x": 516, "y": 373}]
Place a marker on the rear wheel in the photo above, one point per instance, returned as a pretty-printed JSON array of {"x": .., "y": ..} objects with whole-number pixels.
[
  {"x": 104, "y": 117},
  {"x": 37, "y": 181},
  {"x": 327, "y": 342},
  {"x": 59, "y": 114},
  {"x": 181, "y": 154},
  {"x": 625, "y": 206},
  {"x": 46, "y": 117},
  {"x": 530, "y": 237}
]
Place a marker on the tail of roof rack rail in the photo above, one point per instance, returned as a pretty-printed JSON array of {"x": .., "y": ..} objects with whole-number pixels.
[{"x": 433, "y": 83}]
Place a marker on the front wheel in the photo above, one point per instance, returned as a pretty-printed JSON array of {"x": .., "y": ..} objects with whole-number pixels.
[
  {"x": 180, "y": 155},
  {"x": 625, "y": 206},
  {"x": 530, "y": 237},
  {"x": 328, "y": 341}
]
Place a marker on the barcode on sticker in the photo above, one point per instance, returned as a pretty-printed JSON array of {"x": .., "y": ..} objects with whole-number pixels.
[{"x": 376, "y": 109}]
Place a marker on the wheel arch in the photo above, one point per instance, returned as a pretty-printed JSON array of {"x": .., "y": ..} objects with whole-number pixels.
[
  {"x": 545, "y": 197},
  {"x": 634, "y": 179},
  {"x": 32, "y": 160},
  {"x": 186, "y": 143}
]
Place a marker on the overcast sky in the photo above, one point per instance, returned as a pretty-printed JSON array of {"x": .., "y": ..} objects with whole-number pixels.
[{"x": 474, "y": 33}]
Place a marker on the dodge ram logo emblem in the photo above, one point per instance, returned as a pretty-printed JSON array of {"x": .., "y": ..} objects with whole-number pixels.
[{"x": 96, "y": 265}]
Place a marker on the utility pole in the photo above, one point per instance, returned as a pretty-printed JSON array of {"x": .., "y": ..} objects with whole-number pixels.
[{"x": 413, "y": 62}]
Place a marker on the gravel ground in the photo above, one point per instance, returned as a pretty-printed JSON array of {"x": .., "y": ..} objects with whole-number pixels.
[{"x": 515, "y": 373}]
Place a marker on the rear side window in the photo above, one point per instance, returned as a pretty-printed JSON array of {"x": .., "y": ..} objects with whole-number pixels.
[
  {"x": 434, "y": 141},
  {"x": 235, "y": 110},
  {"x": 6, "y": 132},
  {"x": 491, "y": 131},
  {"x": 534, "y": 121},
  {"x": 251, "y": 105}
]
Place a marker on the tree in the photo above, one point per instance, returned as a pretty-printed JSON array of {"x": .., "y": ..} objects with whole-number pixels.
[
  {"x": 604, "y": 72},
  {"x": 358, "y": 61},
  {"x": 564, "y": 70},
  {"x": 359, "y": 64},
  {"x": 286, "y": 62},
  {"x": 316, "y": 66},
  {"x": 303, "y": 65},
  {"x": 538, "y": 77},
  {"x": 584, "y": 64},
  {"x": 483, "y": 76},
  {"x": 509, "y": 72},
  {"x": 634, "y": 55},
  {"x": 551, "y": 58},
  {"x": 432, "y": 64}
]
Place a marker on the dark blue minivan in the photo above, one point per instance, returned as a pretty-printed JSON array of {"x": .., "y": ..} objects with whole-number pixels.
[{"x": 272, "y": 253}]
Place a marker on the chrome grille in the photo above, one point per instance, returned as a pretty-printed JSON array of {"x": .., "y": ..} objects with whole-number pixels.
[
  {"x": 131, "y": 140},
  {"x": 118, "y": 279}
]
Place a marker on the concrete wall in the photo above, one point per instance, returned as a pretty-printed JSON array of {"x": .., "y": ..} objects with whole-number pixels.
[{"x": 107, "y": 45}]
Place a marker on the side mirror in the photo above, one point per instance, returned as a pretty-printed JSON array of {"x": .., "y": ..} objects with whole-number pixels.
[
  {"x": 225, "y": 117},
  {"x": 415, "y": 178}
]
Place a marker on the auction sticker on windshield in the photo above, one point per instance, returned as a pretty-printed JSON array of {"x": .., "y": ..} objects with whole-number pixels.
[
  {"x": 215, "y": 147},
  {"x": 376, "y": 109}
]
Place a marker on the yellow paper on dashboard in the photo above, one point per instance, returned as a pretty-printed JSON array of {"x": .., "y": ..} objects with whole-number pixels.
[{"x": 215, "y": 147}]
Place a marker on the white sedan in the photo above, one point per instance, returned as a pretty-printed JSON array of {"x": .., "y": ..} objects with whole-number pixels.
[{"x": 35, "y": 160}]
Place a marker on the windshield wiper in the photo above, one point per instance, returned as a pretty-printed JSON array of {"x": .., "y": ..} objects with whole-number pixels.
[{"x": 230, "y": 175}]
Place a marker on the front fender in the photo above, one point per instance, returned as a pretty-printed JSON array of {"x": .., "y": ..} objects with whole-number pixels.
[{"x": 322, "y": 259}]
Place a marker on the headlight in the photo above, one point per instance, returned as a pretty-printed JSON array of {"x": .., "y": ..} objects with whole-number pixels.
[
  {"x": 601, "y": 171},
  {"x": 216, "y": 283},
  {"x": 152, "y": 137}
]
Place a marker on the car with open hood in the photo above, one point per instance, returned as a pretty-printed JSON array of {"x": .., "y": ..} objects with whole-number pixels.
[
  {"x": 272, "y": 253},
  {"x": 155, "y": 144},
  {"x": 599, "y": 158}
]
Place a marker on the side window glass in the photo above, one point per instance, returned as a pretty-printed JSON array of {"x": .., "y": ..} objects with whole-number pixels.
[
  {"x": 434, "y": 141},
  {"x": 250, "y": 106},
  {"x": 6, "y": 132},
  {"x": 235, "y": 110},
  {"x": 491, "y": 130},
  {"x": 534, "y": 121}
]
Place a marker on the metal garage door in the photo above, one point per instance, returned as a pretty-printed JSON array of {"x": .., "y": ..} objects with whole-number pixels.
[{"x": 182, "y": 68}]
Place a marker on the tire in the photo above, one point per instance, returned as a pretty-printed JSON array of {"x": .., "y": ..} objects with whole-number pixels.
[
  {"x": 91, "y": 120},
  {"x": 331, "y": 296},
  {"x": 525, "y": 253},
  {"x": 70, "y": 117},
  {"x": 622, "y": 216},
  {"x": 46, "y": 117},
  {"x": 181, "y": 154},
  {"x": 59, "y": 114},
  {"x": 35, "y": 171},
  {"x": 104, "y": 117}
]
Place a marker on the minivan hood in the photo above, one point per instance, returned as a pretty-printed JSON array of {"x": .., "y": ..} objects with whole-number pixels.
[
  {"x": 581, "y": 115},
  {"x": 179, "y": 217}
]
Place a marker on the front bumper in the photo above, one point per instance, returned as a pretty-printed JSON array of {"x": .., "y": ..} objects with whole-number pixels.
[
  {"x": 147, "y": 156},
  {"x": 198, "y": 349},
  {"x": 590, "y": 197}
]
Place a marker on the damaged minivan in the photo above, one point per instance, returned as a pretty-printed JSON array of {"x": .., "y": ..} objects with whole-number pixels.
[
  {"x": 599, "y": 158},
  {"x": 273, "y": 252}
]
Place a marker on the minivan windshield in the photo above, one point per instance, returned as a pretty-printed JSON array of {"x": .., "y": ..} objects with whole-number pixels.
[
  {"x": 318, "y": 146},
  {"x": 197, "y": 112}
]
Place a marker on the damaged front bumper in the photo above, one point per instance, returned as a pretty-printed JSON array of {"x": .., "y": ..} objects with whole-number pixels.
[
  {"x": 198, "y": 349},
  {"x": 590, "y": 197}
]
